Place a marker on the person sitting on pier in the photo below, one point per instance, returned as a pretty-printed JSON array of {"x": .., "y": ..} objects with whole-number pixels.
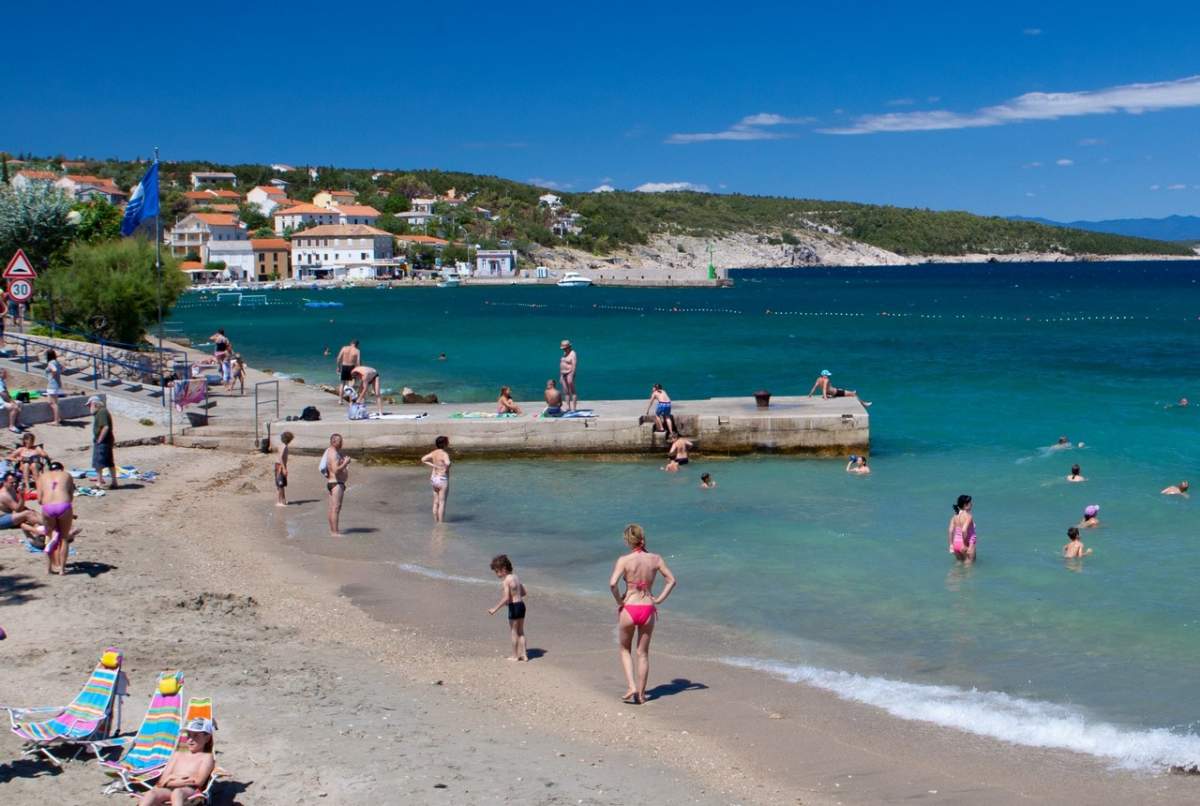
[
  {"x": 554, "y": 400},
  {"x": 506, "y": 404},
  {"x": 828, "y": 390},
  {"x": 663, "y": 419},
  {"x": 367, "y": 378}
]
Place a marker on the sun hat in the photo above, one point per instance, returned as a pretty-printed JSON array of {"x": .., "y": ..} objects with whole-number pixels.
[
  {"x": 565, "y": 343},
  {"x": 200, "y": 725},
  {"x": 826, "y": 373},
  {"x": 1091, "y": 510}
]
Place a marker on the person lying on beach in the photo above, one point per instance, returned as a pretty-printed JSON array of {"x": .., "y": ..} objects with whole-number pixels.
[
  {"x": 1074, "y": 547},
  {"x": 281, "y": 469},
  {"x": 1177, "y": 489},
  {"x": 334, "y": 467},
  {"x": 961, "y": 532},
  {"x": 512, "y": 593},
  {"x": 1090, "y": 519},
  {"x": 13, "y": 512},
  {"x": 554, "y": 400},
  {"x": 438, "y": 460},
  {"x": 1074, "y": 475},
  {"x": 186, "y": 774},
  {"x": 30, "y": 458},
  {"x": 706, "y": 481},
  {"x": 858, "y": 464},
  {"x": 677, "y": 456},
  {"x": 660, "y": 401},
  {"x": 828, "y": 390},
  {"x": 367, "y": 378},
  {"x": 56, "y": 494},
  {"x": 637, "y": 607},
  {"x": 505, "y": 404}
]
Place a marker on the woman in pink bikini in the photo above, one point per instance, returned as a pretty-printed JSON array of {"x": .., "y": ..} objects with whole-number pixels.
[
  {"x": 56, "y": 494},
  {"x": 961, "y": 533},
  {"x": 637, "y": 609}
]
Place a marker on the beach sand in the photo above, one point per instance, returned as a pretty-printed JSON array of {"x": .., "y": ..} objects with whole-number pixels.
[{"x": 339, "y": 679}]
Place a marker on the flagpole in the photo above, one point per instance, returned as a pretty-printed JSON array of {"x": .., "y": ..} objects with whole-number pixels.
[{"x": 158, "y": 269}]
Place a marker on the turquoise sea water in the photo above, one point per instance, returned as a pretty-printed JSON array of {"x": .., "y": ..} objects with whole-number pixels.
[{"x": 972, "y": 371}]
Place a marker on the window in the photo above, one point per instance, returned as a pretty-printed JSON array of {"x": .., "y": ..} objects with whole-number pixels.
[{"x": 364, "y": 255}]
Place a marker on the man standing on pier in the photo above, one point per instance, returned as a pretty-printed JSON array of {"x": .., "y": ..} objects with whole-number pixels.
[
  {"x": 566, "y": 370},
  {"x": 348, "y": 358}
]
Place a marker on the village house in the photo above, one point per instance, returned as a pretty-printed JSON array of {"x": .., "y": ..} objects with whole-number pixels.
[
  {"x": 203, "y": 179},
  {"x": 272, "y": 258},
  {"x": 495, "y": 263},
  {"x": 238, "y": 257},
  {"x": 567, "y": 224},
  {"x": 290, "y": 219},
  {"x": 201, "y": 199},
  {"x": 86, "y": 188},
  {"x": 192, "y": 233},
  {"x": 267, "y": 198},
  {"x": 27, "y": 178},
  {"x": 416, "y": 220},
  {"x": 281, "y": 167},
  {"x": 197, "y": 273},
  {"x": 357, "y": 214},
  {"x": 422, "y": 206},
  {"x": 550, "y": 200},
  {"x": 334, "y": 198},
  {"x": 339, "y": 250}
]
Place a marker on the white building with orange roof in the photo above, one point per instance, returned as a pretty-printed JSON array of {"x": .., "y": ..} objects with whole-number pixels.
[
  {"x": 193, "y": 233},
  {"x": 357, "y": 214},
  {"x": 82, "y": 187},
  {"x": 27, "y": 178},
  {"x": 267, "y": 198},
  {"x": 340, "y": 250},
  {"x": 290, "y": 219},
  {"x": 334, "y": 198}
]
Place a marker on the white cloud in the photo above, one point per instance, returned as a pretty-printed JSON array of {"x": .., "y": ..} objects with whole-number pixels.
[
  {"x": 602, "y": 189},
  {"x": 1032, "y": 165},
  {"x": 1032, "y": 32},
  {"x": 1064, "y": 162},
  {"x": 1030, "y": 195},
  {"x": 1091, "y": 141},
  {"x": 1177, "y": 186},
  {"x": 666, "y": 187},
  {"x": 548, "y": 183},
  {"x": 1133, "y": 99},
  {"x": 751, "y": 127}
]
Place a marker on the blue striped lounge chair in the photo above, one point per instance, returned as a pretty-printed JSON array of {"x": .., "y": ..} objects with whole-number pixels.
[{"x": 144, "y": 754}]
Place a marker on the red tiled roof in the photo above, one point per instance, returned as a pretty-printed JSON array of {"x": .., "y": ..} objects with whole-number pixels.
[
  {"x": 192, "y": 265},
  {"x": 429, "y": 239},
  {"x": 304, "y": 207},
  {"x": 222, "y": 208},
  {"x": 217, "y": 219},
  {"x": 357, "y": 209},
  {"x": 269, "y": 244},
  {"x": 38, "y": 174},
  {"x": 271, "y": 190}
]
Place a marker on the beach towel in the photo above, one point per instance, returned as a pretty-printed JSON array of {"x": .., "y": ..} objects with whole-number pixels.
[
  {"x": 189, "y": 393},
  {"x": 32, "y": 549},
  {"x": 92, "y": 492},
  {"x": 390, "y": 416},
  {"x": 128, "y": 472},
  {"x": 482, "y": 415},
  {"x": 578, "y": 414}
]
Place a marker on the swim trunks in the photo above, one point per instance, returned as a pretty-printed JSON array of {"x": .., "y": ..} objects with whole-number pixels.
[
  {"x": 552, "y": 411},
  {"x": 346, "y": 372},
  {"x": 682, "y": 461},
  {"x": 516, "y": 610},
  {"x": 839, "y": 392},
  {"x": 662, "y": 409},
  {"x": 280, "y": 479},
  {"x": 329, "y": 485},
  {"x": 6, "y": 521}
]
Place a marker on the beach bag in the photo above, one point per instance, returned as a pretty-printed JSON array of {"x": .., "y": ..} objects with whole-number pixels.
[
  {"x": 310, "y": 414},
  {"x": 323, "y": 466},
  {"x": 357, "y": 411}
]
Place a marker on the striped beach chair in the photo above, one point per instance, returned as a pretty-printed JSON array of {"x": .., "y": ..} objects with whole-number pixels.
[
  {"x": 197, "y": 708},
  {"x": 144, "y": 754},
  {"x": 88, "y": 717}
]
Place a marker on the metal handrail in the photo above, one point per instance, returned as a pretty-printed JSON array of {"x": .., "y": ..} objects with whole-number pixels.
[{"x": 257, "y": 403}]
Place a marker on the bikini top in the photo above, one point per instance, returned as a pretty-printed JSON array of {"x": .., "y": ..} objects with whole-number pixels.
[{"x": 639, "y": 584}]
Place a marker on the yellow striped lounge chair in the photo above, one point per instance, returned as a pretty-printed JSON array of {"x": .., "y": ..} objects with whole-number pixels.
[{"x": 88, "y": 717}]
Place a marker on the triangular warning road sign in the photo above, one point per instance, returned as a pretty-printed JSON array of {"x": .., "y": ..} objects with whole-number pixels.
[{"x": 19, "y": 267}]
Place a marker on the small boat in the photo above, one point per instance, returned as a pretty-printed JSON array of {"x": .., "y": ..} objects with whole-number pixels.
[
  {"x": 449, "y": 282},
  {"x": 314, "y": 303},
  {"x": 574, "y": 279}
]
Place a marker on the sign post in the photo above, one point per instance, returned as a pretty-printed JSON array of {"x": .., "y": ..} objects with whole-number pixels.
[{"x": 20, "y": 276}]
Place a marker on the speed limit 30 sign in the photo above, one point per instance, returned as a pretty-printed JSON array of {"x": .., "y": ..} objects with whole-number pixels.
[{"x": 20, "y": 290}]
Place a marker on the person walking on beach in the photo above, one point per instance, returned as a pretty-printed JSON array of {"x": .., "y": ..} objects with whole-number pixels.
[
  {"x": 335, "y": 468},
  {"x": 281, "y": 469},
  {"x": 347, "y": 359},
  {"x": 554, "y": 400},
  {"x": 438, "y": 460},
  {"x": 56, "y": 494},
  {"x": 367, "y": 378},
  {"x": 567, "y": 365},
  {"x": 103, "y": 441},
  {"x": 637, "y": 607},
  {"x": 1074, "y": 548},
  {"x": 1177, "y": 489},
  {"x": 961, "y": 532},
  {"x": 660, "y": 401},
  {"x": 512, "y": 593},
  {"x": 53, "y": 385}
]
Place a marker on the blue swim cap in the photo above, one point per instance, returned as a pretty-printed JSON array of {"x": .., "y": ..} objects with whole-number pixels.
[{"x": 826, "y": 373}]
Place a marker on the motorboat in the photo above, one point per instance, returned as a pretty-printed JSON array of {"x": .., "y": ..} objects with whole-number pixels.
[
  {"x": 574, "y": 279},
  {"x": 449, "y": 281}
]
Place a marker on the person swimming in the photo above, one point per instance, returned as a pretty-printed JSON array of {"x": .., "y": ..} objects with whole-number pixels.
[
  {"x": 1075, "y": 475},
  {"x": 1090, "y": 517},
  {"x": 1177, "y": 489},
  {"x": 1074, "y": 548},
  {"x": 858, "y": 465},
  {"x": 961, "y": 532},
  {"x": 706, "y": 481}
]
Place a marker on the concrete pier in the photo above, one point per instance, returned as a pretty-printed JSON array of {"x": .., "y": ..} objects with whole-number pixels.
[{"x": 716, "y": 425}]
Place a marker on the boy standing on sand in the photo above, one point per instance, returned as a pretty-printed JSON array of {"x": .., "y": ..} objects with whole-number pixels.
[
  {"x": 281, "y": 469},
  {"x": 512, "y": 593}
]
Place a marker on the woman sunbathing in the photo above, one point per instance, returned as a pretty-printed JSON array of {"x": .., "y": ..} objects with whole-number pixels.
[
  {"x": 30, "y": 458},
  {"x": 187, "y": 773}
]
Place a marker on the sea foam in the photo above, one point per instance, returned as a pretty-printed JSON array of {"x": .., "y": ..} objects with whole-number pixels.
[
  {"x": 432, "y": 573},
  {"x": 997, "y": 715}
]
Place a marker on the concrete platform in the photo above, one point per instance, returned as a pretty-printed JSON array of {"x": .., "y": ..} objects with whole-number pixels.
[{"x": 717, "y": 425}]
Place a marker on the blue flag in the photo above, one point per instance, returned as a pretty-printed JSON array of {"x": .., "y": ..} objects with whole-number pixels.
[{"x": 143, "y": 202}]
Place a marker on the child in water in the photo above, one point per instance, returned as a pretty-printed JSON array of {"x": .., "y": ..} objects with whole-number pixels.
[
  {"x": 1074, "y": 547},
  {"x": 1075, "y": 475},
  {"x": 706, "y": 481},
  {"x": 1090, "y": 517},
  {"x": 512, "y": 594}
]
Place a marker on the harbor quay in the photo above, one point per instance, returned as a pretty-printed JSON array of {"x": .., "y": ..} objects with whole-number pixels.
[{"x": 722, "y": 425}]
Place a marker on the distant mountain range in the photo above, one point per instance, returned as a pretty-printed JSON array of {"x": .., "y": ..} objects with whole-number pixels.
[{"x": 1171, "y": 228}]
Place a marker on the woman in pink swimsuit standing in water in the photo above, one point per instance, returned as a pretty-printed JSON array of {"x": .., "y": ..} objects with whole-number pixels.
[
  {"x": 637, "y": 609},
  {"x": 961, "y": 533}
]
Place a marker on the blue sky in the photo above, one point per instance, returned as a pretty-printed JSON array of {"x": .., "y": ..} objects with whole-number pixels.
[{"x": 747, "y": 97}]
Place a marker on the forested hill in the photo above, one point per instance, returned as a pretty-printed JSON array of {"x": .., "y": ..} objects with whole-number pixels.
[{"x": 608, "y": 221}]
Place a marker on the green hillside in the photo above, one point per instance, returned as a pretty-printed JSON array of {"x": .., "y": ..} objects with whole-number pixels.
[{"x": 616, "y": 219}]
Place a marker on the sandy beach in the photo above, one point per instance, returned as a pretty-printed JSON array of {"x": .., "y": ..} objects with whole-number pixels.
[{"x": 337, "y": 678}]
